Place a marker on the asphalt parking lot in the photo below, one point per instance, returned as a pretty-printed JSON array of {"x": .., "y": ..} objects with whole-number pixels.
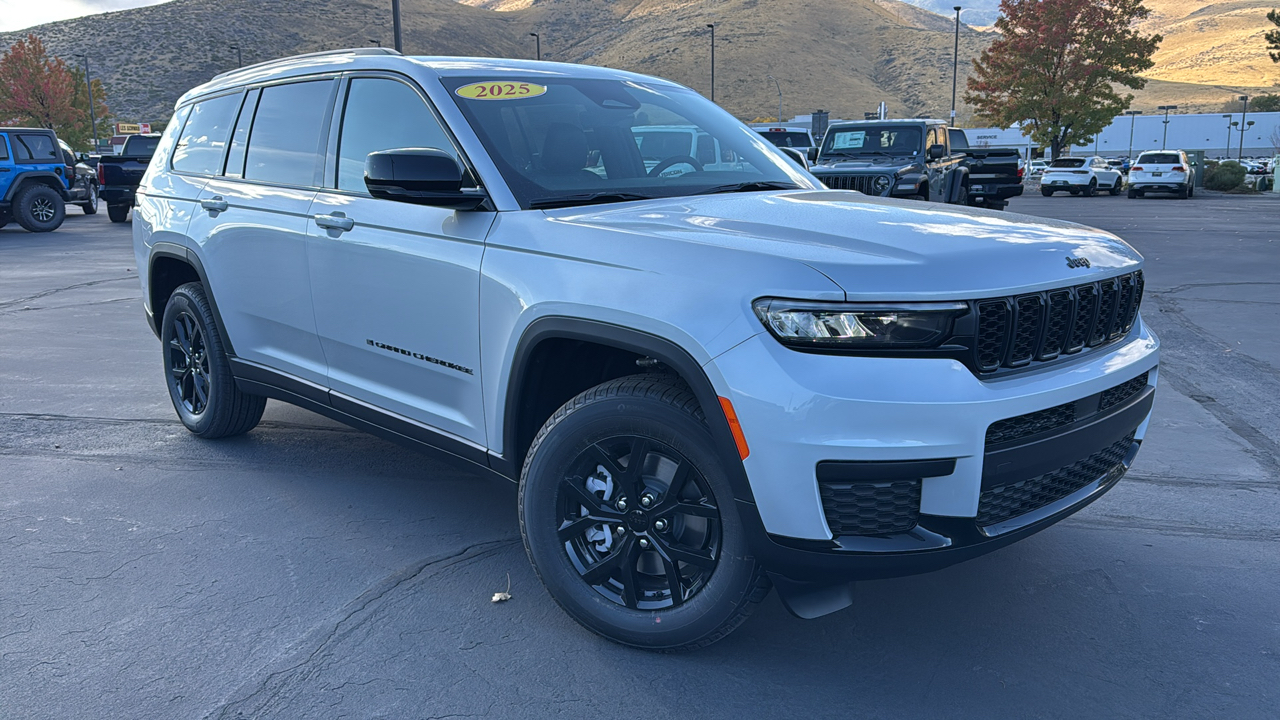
[{"x": 309, "y": 570}]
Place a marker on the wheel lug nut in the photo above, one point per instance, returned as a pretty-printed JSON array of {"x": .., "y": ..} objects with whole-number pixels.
[
  {"x": 644, "y": 543},
  {"x": 646, "y": 500},
  {"x": 660, "y": 524},
  {"x": 621, "y": 529},
  {"x": 622, "y": 504}
]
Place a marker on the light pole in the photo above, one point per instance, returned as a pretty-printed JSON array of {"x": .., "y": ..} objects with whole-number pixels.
[
  {"x": 1243, "y": 117},
  {"x": 1166, "y": 109},
  {"x": 775, "y": 84},
  {"x": 1243, "y": 127},
  {"x": 93, "y": 121},
  {"x": 239, "y": 57},
  {"x": 395, "y": 24},
  {"x": 376, "y": 41},
  {"x": 955, "y": 66},
  {"x": 713, "y": 60},
  {"x": 1227, "y": 152},
  {"x": 1133, "y": 120},
  {"x": 537, "y": 46}
]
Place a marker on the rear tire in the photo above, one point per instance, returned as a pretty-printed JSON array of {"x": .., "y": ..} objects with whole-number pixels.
[
  {"x": 1182, "y": 192},
  {"x": 39, "y": 208},
  {"x": 622, "y": 585},
  {"x": 118, "y": 213},
  {"x": 1091, "y": 189},
  {"x": 1133, "y": 194},
  {"x": 1046, "y": 193},
  {"x": 203, "y": 391}
]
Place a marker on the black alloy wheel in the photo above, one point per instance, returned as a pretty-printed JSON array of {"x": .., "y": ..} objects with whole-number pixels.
[
  {"x": 188, "y": 364},
  {"x": 90, "y": 206},
  {"x": 639, "y": 523}
]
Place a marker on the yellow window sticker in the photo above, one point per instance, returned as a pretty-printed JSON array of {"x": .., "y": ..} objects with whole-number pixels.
[{"x": 500, "y": 90}]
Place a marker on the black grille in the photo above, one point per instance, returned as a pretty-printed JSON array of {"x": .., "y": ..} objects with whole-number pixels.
[
  {"x": 1013, "y": 331},
  {"x": 861, "y": 183},
  {"x": 1005, "y": 502},
  {"x": 870, "y": 508},
  {"x": 1031, "y": 423},
  {"x": 1122, "y": 392}
]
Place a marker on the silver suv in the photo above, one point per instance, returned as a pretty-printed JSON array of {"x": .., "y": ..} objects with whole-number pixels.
[{"x": 708, "y": 377}]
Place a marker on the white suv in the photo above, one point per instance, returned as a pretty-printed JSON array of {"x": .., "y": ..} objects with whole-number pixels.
[
  {"x": 1081, "y": 176},
  {"x": 1162, "y": 171},
  {"x": 706, "y": 382}
]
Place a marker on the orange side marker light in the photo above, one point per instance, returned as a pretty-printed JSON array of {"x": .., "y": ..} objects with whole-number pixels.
[{"x": 735, "y": 427}]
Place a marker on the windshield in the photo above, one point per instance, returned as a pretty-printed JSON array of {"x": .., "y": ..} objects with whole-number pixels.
[
  {"x": 1068, "y": 163},
  {"x": 1160, "y": 159},
  {"x": 571, "y": 141},
  {"x": 786, "y": 139},
  {"x": 873, "y": 140}
]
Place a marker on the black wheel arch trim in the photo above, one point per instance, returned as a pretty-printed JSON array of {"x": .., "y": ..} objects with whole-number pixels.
[
  {"x": 623, "y": 338},
  {"x": 25, "y": 178},
  {"x": 180, "y": 252}
]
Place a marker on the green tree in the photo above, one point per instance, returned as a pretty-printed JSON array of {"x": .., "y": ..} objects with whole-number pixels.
[
  {"x": 1257, "y": 103},
  {"x": 37, "y": 90},
  {"x": 1273, "y": 36},
  {"x": 1056, "y": 64}
]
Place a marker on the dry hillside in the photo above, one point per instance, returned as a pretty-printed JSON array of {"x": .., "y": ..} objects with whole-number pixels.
[{"x": 1213, "y": 43}]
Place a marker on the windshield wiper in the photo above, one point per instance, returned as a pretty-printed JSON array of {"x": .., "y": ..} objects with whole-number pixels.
[
  {"x": 752, "y": 186},
  {"x": 585, "y": 199}
]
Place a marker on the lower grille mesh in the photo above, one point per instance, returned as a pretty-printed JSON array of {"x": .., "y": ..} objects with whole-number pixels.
[
  {"x": 870, "y": 508},
  {"x": 1005, "y": 502}
]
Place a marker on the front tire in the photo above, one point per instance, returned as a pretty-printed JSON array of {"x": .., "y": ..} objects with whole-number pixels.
[
  {"x": 1091, "y": 189},
  {"x": 39, "y": 208},
  {"x": 203, "y": 391},
  {"x": 118, "y": 213},
  {"x": 90, "y": 206},
  {"x": 629, "y": 520}
]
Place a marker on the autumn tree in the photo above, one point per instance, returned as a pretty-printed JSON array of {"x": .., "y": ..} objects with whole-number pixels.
[
  {"x": 1056, "y": 66},
  {"x": 39, "y": 91}
]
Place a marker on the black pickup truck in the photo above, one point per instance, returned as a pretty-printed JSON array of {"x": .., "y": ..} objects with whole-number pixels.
[
  {"x": 119, "y": 175},
  {"x": 994, "y": 175}
]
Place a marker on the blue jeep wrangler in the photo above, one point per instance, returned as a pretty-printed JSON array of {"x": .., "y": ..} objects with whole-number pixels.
[{"x": 33, "y": 189}]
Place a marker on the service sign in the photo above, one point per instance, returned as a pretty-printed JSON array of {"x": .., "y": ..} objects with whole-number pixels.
[
  {"x": 494, "y": 90},
  {"x": 133, "y": 128}
]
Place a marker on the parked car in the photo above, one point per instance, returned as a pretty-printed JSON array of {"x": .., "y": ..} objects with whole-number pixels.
[
  {"x": 893, "y": 158},
  {"x": 786, "y": 137},
  {"x": 81, "y": 180},
  {"x": 118, "y": 175},
  {"x": 1162, "y": 171},
  {"x": 678, "y": 149},
  {"x": 1081, "y": 176},
  {"x": 705, "y": 383},
  {"x": 33, "y": 187},
  {"x": 1036, "y": 168},
  {"x": 995, "y": 174},
  {"x": 1119, "y": 164}
]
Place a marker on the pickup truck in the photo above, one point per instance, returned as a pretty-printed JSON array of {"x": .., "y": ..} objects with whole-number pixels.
[
  {"x": 119, "y": 175},
  {"x": 994, "y": 175},
  {"x": 893, "y": 158}
]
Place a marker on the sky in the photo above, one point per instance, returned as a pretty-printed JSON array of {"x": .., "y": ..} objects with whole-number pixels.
[{"x": 18, "y": 14}]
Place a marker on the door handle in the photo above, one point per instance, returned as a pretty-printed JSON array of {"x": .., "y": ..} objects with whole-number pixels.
[
  {"x": 336, "y": 221},
  {"x": 214, "y": 204}
]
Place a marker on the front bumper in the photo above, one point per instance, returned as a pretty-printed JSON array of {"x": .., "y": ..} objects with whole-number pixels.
[{"x": 876, "y": 414}]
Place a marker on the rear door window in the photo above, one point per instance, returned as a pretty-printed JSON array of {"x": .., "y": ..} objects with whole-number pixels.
[
  {"x": 286, "y": 144},
  {"x": 204, "y": 137},
  {"x": 34, "y": 148}
]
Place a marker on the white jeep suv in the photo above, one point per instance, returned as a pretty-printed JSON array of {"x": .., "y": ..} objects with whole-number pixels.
[{"x": 706, "y": 383}]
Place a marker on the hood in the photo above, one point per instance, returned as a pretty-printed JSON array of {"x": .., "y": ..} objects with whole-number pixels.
[
  {"x": 875, "y": 163},
  {"x": 879, "y": 248}
]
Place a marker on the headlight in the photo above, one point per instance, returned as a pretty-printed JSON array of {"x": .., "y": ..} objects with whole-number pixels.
[
  {"x": 881, "y": 183},
  {"x": 858, "y": 326}
]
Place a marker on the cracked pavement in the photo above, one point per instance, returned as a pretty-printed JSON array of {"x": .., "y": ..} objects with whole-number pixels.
[{"x": 311, "y": 570}]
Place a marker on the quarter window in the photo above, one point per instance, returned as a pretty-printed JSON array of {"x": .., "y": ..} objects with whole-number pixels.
[
  {"x": 204, "y": 137},
  {"x": 383, "y": 114},
  {"x": 34, "y": 148},
  {"x": 4, "y": 149},
  {"x": 285, "y": 144}
]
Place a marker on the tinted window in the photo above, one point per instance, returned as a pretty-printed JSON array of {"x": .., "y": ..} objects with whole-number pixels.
[
  {"x": 1160, "y": 159},
  {"x": 4, "y": 149},
  {"x": 285, "y": 144},
  {"x": 1068, "y": 163},
  {"x": 383, "y": 114},
  {"x": 204, "y": 137},
  {"x": 786, "y": 139},
  {"x": 34, "y": 148},
  {"x": 141, "y": 145},
  {"x": 240, "y": 137}
]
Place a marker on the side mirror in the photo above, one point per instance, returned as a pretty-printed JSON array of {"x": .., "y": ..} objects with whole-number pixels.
[
  {"x": 937, "y": 152},
  {"x": 423, "y": 176},
  {"x": 796, "y": 156},
  {"x": 82, "y": 157},
  {"x": 812, "y": 155}
]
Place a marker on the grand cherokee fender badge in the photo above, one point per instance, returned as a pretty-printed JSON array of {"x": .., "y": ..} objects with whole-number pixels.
[
  {"x": 420, "y": 356},
  {"x": 1075, "y": 262}
]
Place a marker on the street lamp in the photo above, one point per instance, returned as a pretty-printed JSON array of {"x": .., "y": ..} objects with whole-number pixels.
[
  {"x": 93, "y": 121},
  {"x": 239, "y": 57},
  {"x": 376, "y": 41},
  {"x": 1133, "y": 120},
  {"x": 775, "y": 84},
  {"x": 395, "y": 24},
  {"x": 1243, "y": 116},
  {"x": 713, "y": 60},
  {"x": 1227, "y": 152},
  {"x": 1243, "y": 127},
  {"x": 537, "y": 46},
  {"x": 955, "y": 66},
  {"x": 1166, "y": 109}
]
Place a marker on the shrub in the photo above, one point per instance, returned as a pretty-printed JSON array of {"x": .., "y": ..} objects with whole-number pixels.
[{"x": 1227, "y": 175}]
